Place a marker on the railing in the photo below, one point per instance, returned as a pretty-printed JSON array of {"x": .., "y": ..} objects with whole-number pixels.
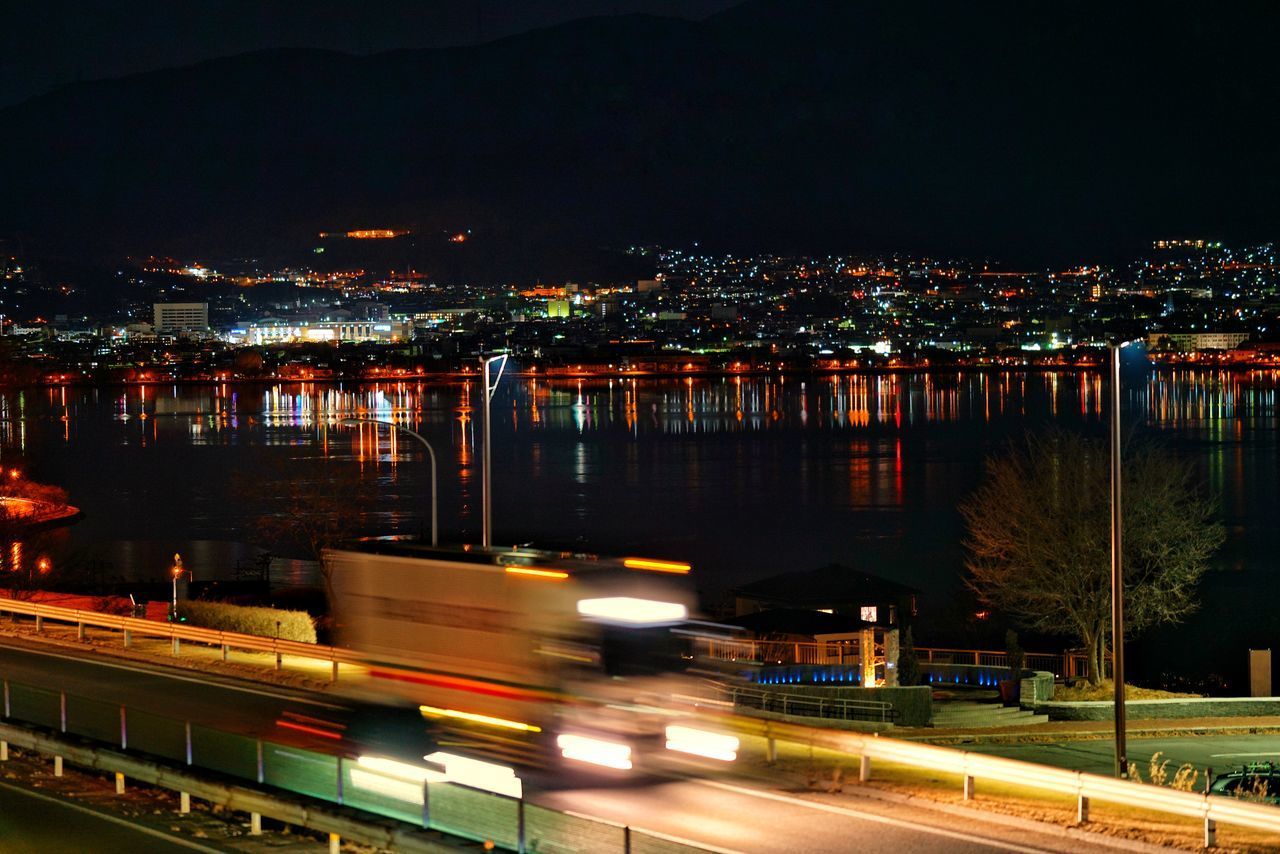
[
  {"x": 832, "y": 708},
  {"x": 991, "y": 658},
  {"x": 778, "y": 651},
  {"x": 133, "y": 739},
  {"x": 178, "y": 632},
  {"x": 972, "y": 767}
]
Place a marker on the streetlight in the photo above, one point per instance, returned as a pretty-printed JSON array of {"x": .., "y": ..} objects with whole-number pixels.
[
  {"x": 486, "y": 502},
  {"x": 176, "y": 572},
  {"x": 1117, "y": 564},
  {"x": 431, "y": 453}
]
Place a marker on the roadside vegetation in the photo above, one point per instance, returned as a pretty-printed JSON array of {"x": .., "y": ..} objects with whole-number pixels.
[
  {"x": 1105, "y": 690},
  {"x": 263, "y": 622}
]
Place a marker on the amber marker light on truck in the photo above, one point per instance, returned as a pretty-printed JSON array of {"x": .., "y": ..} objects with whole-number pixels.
[
  {"x": 487, "y": 720},
  {"x": 537, "y": 573},
  {"x": 656, "y": 565}
]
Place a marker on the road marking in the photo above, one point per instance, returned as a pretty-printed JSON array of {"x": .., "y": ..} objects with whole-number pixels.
[
  {"x": 153, "y": 671},
  {"x": 868, "y": 816},
  {"x": 1225, "y": 755},
  {"x": 176, "y": 840}
]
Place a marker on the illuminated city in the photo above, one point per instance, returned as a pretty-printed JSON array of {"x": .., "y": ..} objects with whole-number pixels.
[{"x": 702, "y": 427}]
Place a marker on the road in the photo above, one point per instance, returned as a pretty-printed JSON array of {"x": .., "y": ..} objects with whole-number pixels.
[
  {"x": 745, "y": 819},
  {"x": 721, "y": 813},
  {"x": 33, "y": 823},
  {"x": 1201, "y": 751}
]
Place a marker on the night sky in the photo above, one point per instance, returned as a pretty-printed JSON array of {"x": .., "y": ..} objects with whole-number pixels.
[
  {"x": 48, "y": 44},
  {"x": 1034, "y": 133}
]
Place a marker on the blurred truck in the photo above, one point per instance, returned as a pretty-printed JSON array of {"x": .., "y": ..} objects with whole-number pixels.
[{"x": 533, "y": 657}]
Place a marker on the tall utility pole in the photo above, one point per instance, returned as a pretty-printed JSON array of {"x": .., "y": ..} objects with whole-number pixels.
[
  {"x": 486, "y": 501},
  {"x": 1117, "y": 568}
]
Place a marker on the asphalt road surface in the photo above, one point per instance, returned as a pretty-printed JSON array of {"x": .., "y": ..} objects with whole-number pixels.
[
  {"x": 1219, "y": 752},
  {"x": 715, "y": 812},
  {"x": 33, "y": 823}
]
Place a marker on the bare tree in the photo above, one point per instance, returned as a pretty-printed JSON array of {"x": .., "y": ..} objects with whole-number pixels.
[{"x": 1039, "y": 535}]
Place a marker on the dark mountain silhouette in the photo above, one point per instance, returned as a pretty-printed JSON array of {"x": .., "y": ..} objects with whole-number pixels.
[{"x": 1029, "y": 130}]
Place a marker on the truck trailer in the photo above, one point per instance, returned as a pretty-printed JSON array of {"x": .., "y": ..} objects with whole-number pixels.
[{"x": 535, "y": 657}]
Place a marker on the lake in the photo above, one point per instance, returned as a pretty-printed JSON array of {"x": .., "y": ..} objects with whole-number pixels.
[{"x": 741, "y": 476}]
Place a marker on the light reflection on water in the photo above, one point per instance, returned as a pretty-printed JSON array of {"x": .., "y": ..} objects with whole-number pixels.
[{"x": 742, "y": 476}]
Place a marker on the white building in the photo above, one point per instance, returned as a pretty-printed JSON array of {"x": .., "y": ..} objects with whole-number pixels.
[
  {"x": 181, "y": 317},
  {"x": 1188, "y": 342},
  {"x": 274, "y": 330}
]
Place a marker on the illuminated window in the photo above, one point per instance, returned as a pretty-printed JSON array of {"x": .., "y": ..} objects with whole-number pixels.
[{"x": 869, "y": 613}]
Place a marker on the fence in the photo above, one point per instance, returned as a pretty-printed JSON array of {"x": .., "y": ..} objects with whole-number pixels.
[
  {"x": 778, "y": 651},
  {"x": 388, "y": 789}
]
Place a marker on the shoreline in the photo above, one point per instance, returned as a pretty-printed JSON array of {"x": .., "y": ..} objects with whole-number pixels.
[{"x": 585, "y": 373}]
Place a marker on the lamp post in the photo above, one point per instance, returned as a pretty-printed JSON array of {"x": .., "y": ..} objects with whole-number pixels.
[
  {"x": 1117, "y": 565},
  {"x": 486, "y": 501},
  {"x": 176, "y": 572},
  {"x": 431, "y": 453}
]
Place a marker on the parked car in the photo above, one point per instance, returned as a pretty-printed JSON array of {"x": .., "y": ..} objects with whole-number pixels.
[{"x": 1255, "y": 781}]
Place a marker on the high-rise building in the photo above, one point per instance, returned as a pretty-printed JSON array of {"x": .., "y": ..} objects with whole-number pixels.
[{"x": 181, "y": 317}]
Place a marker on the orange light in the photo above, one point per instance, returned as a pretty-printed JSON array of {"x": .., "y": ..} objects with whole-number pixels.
[
  {"x": 43, "y": 564},
  {"x": 656, "y": 565},
  {"x": 14, "y": 474},
  {"x": 537, "y": 573}
]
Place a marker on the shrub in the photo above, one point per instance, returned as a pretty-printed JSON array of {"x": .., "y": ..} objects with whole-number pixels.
[{"x": 263, "y": 622}]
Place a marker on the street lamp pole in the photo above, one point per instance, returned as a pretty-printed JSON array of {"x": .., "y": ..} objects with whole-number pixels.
[
  {"x": 1117, "y": 568},
  {"x": 177, "y": 572},
  {"x": 486, "y": 501},
  {"x": 431, "y": 453}
]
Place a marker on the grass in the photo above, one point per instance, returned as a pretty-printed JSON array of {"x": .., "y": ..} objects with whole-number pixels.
[{"x": 1105, "y": 690}]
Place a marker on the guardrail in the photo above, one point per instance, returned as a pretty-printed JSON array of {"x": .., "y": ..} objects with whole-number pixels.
[
  {"x": 178, "y": 632},
  {"x": 972, "y": 767},
  {"x": 140, "y": 741}
]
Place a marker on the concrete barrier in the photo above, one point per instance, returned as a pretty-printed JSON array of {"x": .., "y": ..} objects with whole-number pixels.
[{"x": 1139, "y": 710}]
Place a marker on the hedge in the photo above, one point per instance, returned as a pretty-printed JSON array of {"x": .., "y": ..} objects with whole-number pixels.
[{"x": 263, "y": 622}]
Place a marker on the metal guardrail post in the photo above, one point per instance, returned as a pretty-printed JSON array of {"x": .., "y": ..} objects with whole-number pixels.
[
  {"x": 864, "y": 768},
  {"x": 6, "y": 698},
  {"x": 626, "y": 839},
  {"x": 62, "y": 710},
  {"x": 339, "y": 789},
  {"x": 1210, "y": 833},
  {"x": 1082, "y": 809},
  {"x": 262, "y": 766},
  {"x": 520, "y": 826},
  {"x": 188, "y": 733},
  {"x": 124, "y": 730}
]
